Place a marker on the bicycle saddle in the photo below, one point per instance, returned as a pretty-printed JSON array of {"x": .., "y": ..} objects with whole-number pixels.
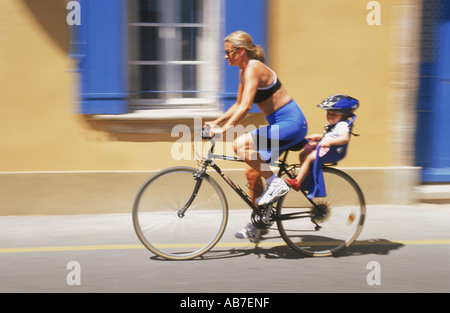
[{"x": 299, "y": 146}]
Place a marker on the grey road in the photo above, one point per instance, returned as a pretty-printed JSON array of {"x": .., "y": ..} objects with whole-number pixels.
[{"x": 401, "y": 249}]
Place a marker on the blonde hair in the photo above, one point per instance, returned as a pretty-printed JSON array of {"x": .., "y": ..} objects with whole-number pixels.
[{"x": 240, "y": 39}]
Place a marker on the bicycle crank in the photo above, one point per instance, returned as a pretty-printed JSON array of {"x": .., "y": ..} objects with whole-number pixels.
[{"x": 264, "y": 220}]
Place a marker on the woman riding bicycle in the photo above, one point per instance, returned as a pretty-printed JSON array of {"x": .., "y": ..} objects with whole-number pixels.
[{"x": 287, "y": 124}]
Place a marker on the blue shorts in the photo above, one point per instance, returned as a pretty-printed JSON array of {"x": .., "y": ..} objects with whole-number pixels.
[{"x": 287, "y": 127}]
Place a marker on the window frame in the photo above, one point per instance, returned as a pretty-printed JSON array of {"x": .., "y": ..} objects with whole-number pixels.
[
  {"x": 169, "y": 28},
  {"x": 99, "y": 48}
]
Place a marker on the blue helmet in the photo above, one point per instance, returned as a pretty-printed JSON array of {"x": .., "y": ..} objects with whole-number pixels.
[{"x": 340, "y": 103}]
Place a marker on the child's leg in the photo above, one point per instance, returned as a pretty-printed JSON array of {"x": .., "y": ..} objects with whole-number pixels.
[
  {"x": 308, "y": 160},
  {"x": 307, "y": 156},
  {"x": 309, "y": 148}
]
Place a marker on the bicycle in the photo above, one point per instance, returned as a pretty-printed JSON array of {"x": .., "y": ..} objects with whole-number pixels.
[{"x": 170, "y": 225}]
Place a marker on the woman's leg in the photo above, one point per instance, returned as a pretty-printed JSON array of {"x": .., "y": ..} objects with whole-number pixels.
[
  {"x": 246, "y": 149},
  {"x": 255, "y": 184}
]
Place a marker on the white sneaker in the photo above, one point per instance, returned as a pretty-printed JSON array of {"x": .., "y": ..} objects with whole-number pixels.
[
  {"x": 273, "y": 192},
  {"x": 251, "y": 232}
]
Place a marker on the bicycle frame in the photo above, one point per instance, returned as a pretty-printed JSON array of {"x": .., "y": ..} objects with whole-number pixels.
[
  {"x": 262, "y": 211},
  {"x": 152, "y": 229},
  {"x": 209, "y": 162}
]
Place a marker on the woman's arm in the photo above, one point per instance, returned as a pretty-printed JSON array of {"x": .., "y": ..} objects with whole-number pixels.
[
  {"x": 244, "y": 103},
  {"x": 231, "y": 111},
  {"x": 245, "y": 97}
]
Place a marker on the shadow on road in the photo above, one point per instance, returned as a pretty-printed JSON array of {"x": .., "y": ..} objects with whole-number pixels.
[
  {"x": 362, "y": 247},
  {"x": 373, "y": 246}
]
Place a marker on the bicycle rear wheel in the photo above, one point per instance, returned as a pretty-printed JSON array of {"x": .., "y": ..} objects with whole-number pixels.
[
  {"x": 156, "y": 216},
  {"x": 329, "y": 227}
]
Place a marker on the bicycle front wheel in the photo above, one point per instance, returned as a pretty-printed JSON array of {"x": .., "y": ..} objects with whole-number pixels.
[
  {"x": 329, "y": 226},
  {"x": 159, "y": 224}
]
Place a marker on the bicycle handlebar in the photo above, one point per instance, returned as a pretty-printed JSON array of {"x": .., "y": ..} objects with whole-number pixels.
[{"x": 206, "y": 133}]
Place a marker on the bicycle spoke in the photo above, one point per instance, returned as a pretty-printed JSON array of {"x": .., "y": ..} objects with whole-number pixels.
[
  {"x": 163, "y": 231},
  {"x": 335, "y": 220}
]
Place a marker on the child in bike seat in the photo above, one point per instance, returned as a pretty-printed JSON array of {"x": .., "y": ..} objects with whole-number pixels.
[{"x": 333, "y": 141}]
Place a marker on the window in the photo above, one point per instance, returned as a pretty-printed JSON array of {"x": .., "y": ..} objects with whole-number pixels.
[
  {"x": 174, "y": 56},
  {"x": 142, "y": 55}
]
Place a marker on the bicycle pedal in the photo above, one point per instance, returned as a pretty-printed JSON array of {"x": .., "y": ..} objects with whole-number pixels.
[
  {"x": 255, "y": 239},
  {"x": 254, "y": 236},
  {"x": 267, "y": 213}
]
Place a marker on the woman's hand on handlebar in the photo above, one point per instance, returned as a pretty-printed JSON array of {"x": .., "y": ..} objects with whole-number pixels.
[
  {"x": 217, "y": 131},
  {"x": 214, "y": 129}
]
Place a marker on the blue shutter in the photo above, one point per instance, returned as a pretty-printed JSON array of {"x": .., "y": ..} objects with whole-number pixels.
[
  {"x": 433, "y": 142},
  {"x": 426, "y": 95},
  {"x": 99, "y": 45},
  {"x": 439, "y": 167},
  {"x": 251, "y": 17}
]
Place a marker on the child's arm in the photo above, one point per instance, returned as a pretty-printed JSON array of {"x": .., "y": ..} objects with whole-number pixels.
[
  {"x": 341, "y": 140},
  {"x": 314, "y": 137}
]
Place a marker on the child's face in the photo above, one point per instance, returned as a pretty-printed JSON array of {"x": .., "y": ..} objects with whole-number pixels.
[{"x": 333, "y": 117}]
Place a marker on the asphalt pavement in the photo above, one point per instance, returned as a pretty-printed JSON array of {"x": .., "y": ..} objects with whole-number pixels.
[{"x": 401, "y": 249}]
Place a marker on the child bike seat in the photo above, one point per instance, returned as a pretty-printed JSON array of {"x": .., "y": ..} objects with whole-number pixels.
[{"x": 314, "y": 181}]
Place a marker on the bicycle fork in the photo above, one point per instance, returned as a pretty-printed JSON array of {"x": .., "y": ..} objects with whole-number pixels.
[{"x": 198, "y": 176}]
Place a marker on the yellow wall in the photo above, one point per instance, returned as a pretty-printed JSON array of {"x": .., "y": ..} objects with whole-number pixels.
[
  {"x": 317, "y": 48},
  {"x": 38, "y": 128},
  {"x": 320, "y": 48}
]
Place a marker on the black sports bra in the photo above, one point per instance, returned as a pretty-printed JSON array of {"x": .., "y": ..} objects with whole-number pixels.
[{"x": 262, "y": 94}]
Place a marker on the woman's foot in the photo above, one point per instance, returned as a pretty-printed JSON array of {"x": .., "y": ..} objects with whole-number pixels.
[
  {"x": 275, "y": 190},
  {"x": 251, "y": 232}
]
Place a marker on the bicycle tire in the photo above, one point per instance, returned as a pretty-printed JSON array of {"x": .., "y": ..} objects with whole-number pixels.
[
  {"x": 340, "y": 216},
  {"x": 155, "y": 214}
]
